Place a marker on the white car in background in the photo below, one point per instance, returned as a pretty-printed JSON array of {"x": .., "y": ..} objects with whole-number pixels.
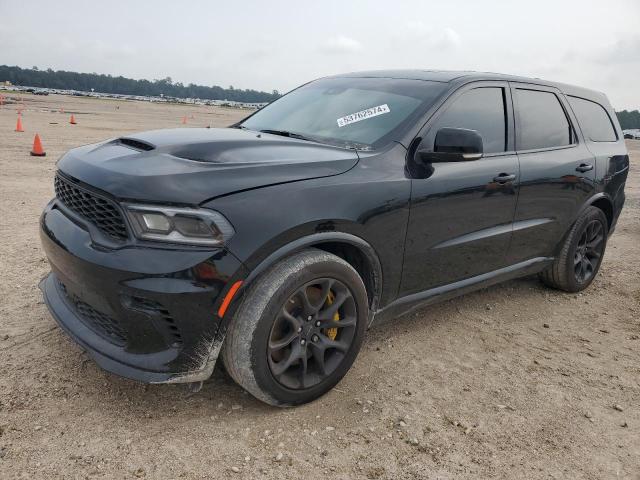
[{"x": 631, "y": 134}]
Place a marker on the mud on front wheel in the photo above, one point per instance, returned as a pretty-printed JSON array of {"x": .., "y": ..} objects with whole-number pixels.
[{"x": 298, "y": 330}]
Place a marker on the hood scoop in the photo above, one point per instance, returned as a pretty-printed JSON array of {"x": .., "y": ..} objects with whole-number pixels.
[{"x": 136, "y": 144}]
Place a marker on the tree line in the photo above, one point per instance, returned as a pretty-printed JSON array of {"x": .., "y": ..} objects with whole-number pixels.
[
  {"x": 63, "y": 80},
  {"x": 629, "y": 119}
]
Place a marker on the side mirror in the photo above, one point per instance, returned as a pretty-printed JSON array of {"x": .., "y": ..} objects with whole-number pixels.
[{"x": 454, "y": 145}]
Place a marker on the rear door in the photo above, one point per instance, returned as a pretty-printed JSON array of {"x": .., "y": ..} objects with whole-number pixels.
[
  {"x": 557, "y": 171},
  {"x": 461, "y": 212}
]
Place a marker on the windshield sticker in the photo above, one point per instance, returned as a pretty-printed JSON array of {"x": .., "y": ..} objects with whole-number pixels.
[{"x": 363, "y": 115}]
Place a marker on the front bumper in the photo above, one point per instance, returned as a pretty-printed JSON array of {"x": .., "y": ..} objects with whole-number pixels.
[{"x": 141, "y": 312}]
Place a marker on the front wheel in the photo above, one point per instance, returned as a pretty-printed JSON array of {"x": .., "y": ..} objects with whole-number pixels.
[
  {"x": 579, "y": 260},
  {"x": 298, "y": 330}
]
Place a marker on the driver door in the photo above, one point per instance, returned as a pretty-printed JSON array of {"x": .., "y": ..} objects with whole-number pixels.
[{"x": 461, "y": 217}]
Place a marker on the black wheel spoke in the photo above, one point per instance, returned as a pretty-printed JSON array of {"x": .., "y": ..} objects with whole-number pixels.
[
  {"x": 578, "y": 270},
  {"x": 307, "y": 307},
  {"x": 594, "y": 242},
  {"x": 282, "y": 366},
  {"x": 327, "y": 343},
  {"x": 326, "y": 289},
  {"x": 275, "y": 345},
  {"x": 329, "y": 312},
  {"x": 588, "y": 267},
  {"x": 293, "y": 321},
  {"x": 342, "y": 323},
  {"x": 303, "y": 370},
  {"x": 593, "y": 255},
  {"x": 318, "y": 352}
]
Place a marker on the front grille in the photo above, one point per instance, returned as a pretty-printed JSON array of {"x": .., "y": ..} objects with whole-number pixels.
[
  {"x": 99, "y": 211},
  {"x": 100, "y": 323}
]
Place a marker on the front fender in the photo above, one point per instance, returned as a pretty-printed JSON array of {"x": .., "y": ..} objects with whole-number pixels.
[{"x": 308, "y": 241}]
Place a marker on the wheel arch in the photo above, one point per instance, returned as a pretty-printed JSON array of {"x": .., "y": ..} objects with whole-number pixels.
[
  {"x": 353, "y": 249},
  {"x": 602, "y": 201}
]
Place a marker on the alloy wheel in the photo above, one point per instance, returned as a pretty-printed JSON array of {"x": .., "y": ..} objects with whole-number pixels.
[
  {"x": 588, "y": 251},
  {"x": 312, "y": 333}
]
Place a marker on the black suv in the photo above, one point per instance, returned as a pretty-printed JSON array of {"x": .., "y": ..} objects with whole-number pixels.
[{"x": 353, "y": 199}]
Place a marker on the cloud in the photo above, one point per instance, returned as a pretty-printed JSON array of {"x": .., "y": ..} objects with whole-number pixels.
[
  {"x": 255, "y": 54},
  {"x": 432, "y": 37},
  {"x": 341, "y": 45},
  {"x": 625, "y": 51}
]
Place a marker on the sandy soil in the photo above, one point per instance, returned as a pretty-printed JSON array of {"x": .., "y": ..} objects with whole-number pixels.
[{"x": 516, "y": 381}]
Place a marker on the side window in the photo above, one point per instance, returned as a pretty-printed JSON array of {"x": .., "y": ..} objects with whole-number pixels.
[
  {"x": 541, "y": 121},
  {"x": 481, "y": 109},
  {"x": 594, "y": 120}
]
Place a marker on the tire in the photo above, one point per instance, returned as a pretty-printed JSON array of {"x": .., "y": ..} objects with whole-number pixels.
[
  {"x": 563, "y": 273},
  {"x": 251, "y": 352}
]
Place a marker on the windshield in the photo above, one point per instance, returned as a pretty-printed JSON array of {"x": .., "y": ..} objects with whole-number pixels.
[{"x": 350, "y": 112}]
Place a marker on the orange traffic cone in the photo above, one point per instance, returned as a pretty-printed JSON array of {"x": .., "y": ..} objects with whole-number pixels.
[
  {"x": 184, "y": 120},
  {"x": 19, "y": 124},
  {"x": 72, "y": 120},
  {"x": 37, "y": 150}
]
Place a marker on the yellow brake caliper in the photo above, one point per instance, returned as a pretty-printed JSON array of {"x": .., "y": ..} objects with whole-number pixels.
[{"x": 332, "y": 333}]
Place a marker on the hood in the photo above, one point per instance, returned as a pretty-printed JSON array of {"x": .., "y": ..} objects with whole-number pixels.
[{"x": 192, "y": 165}]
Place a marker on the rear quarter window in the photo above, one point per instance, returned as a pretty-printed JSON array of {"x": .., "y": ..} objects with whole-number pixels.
[{"x": 594, "y": 120}]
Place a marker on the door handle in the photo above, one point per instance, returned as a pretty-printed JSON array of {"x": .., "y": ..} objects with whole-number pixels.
[
  {"x": 584, "y": 167},
  {"x": 504, "y": 178}
]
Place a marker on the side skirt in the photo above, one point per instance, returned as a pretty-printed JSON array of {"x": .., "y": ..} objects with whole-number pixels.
[{"x": 409, "y": 303}]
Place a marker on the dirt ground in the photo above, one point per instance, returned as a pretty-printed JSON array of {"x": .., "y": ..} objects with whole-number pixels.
[{"x": 516, "y": 381}]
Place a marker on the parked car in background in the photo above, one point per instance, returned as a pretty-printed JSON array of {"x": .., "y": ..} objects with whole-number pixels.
[
  {"x": 632, "y": 134},
  {"x": 351, "y": 200}
]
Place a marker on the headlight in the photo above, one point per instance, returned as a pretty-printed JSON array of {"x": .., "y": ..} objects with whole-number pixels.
[{"x": 194, "y": 226}]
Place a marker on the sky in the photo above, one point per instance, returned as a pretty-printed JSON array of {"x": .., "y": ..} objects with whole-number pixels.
[{"x": 279, "y": 44}]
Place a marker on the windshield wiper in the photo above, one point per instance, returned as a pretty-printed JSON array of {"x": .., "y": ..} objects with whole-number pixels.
[
  {"x": 285, "y": 133},
  {"x": 333, "y": 142}
]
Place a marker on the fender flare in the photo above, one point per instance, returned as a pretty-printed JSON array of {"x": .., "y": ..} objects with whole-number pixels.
[
  {"x": 307, "y": 242},
  {"x": 585, "y": 205},
  {"x": 593, "y": 199}
]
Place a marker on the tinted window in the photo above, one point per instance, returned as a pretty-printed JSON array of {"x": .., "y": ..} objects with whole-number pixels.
[
  {"x": 349, "y": 111},
  {"x": 480, "y": 109},
  {"x": 542, "y": 122},
  {"x": 594, "y": 120}
]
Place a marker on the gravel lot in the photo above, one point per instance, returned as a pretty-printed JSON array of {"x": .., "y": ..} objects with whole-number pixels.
[{"x": 516, "y": 381}]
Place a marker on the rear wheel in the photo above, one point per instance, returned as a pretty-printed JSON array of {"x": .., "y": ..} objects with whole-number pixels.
[
  {"x": 579, "y": 260},
  {"x": 298, "y": 330}
]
